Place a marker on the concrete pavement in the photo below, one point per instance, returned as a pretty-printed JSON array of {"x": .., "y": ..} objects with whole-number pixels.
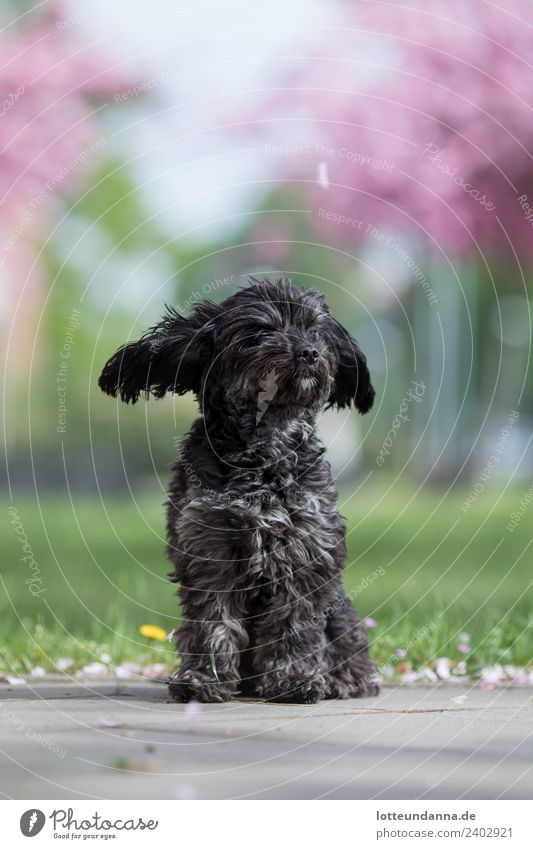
[{"x": 106, "y": 740}]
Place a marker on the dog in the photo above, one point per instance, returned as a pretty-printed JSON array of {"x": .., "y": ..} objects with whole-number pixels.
[{"x": 254, "y": 535}]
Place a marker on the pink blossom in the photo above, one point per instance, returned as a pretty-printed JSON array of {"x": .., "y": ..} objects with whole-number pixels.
[
  {"x": 103, "y": 722},
  {"x": 322, "y": 175},
  {"x": 493, "y": 674},
  {"x": 49, "y": 124},
  {"x": 424, "y": 114}
]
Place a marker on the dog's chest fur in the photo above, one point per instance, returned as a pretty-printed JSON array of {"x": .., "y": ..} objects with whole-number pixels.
[{"x": 271, "y": 503}]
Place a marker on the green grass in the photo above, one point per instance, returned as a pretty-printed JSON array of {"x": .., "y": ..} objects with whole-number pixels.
[{"x": 432, "y": 572}]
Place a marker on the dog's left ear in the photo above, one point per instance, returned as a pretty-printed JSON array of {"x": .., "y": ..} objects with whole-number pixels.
[
  {"x": 170, "y": 357},
  {"x": 352, "y": 378}
]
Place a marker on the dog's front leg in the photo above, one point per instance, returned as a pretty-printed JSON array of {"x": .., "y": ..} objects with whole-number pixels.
[
  {"x": 212, "y": 633},
  {"x": 289, "y": 652},
  {"x": 350, "y": 671},
  {"x": 209, "y": 641}
]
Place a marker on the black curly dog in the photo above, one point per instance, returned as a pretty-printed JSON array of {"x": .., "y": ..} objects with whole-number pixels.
[{"x": 254, "y": 535}]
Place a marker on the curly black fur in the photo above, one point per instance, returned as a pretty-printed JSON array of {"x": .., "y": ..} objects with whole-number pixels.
[{"x": 254, "y": 534}]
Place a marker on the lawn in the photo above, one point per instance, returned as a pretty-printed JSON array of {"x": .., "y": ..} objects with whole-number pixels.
[{"x": 432, "y": 580}]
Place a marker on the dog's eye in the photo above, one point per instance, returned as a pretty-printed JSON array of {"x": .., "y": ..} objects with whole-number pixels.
[
  {"x": 256, "y": 338},
  {"x": 313, "y": 334}
]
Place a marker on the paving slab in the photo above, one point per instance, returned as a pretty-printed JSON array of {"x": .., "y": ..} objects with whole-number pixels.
[{"x": 121, "y": 740}]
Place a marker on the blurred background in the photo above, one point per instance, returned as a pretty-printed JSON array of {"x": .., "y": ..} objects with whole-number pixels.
[{"x": 163, "y": 152}]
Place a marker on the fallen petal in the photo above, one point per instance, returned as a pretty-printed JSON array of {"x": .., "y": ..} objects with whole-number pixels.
[
  {"x": 38, "y": 672},
  {"x": 128, "y": 670},
  {"x": 493, "y": 674},
  {"x": 185, "y": 791},
  {"x": 442, "y": 667},
  {"x": 408, "y": 677},
  {"x": 193, "y": 712},
  {"x": 426, "y": 673},
  {"x": 156, "y": 670},
  {"x": 323, "y": 178},
  {"x": 93, "y": 670}
]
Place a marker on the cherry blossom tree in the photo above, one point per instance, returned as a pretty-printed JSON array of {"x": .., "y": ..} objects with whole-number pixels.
[
  {"x": 410, "y": 130},
  {"x": 52, "y": 89},
  {"x": 422, "y": 114}
]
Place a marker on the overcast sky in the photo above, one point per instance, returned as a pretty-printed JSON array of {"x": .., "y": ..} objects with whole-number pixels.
[{"x": 190, "y": 54}]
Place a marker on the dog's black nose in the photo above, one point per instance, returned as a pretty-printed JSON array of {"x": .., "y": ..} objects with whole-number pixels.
[{"x": 308, "y": 354}]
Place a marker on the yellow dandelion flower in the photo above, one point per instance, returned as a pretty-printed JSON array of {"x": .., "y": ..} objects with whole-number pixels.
[{"x": 153, "y": 631}]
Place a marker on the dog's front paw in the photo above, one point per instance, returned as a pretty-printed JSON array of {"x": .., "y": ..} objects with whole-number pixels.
[
  {"x": 188, "y": 685},
  {"x": 368, "y": 684},
  {"x": 337, "y": 688},
  {"x": 308, "y": 691},
  {"x": 366, "y": 687},
  {"x": 346, "y": 683}
]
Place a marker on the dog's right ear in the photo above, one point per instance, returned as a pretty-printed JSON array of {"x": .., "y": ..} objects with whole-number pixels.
[
  {"x": 352, "y": 381},
  {"x": 170, "y": 357}
]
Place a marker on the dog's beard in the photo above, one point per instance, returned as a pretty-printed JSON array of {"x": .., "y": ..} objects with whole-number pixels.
[
  {"x": 272, "y": 379},
  {"x": 306, "y": 387},
  {"x": 284, "y": 384}
]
